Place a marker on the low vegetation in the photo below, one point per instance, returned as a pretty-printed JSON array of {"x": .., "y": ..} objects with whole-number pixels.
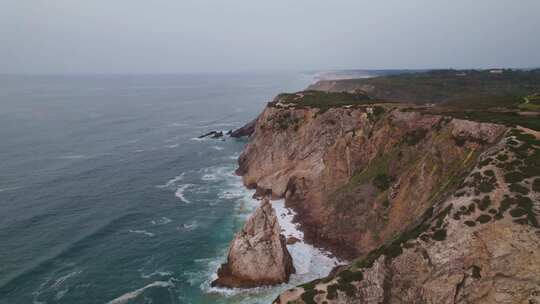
[{"x": 320, "y": 99}]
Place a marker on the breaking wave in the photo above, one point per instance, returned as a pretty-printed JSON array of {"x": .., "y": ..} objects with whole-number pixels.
[
  {"x": 150, "y": 234},
  {"x": 180, "y": 193},
  {"x": 136, "y": 293}
]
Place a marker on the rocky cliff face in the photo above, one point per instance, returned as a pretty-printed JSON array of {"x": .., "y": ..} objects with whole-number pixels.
[
  {"x": 435, "y": 209},
  {"x": 358, "y": 176},
  {"x": 258, "y": 254},
  {"x": 480, "y": 245}
]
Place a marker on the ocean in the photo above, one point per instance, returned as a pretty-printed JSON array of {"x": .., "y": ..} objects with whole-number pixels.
[{"x": 108, "y": 196}]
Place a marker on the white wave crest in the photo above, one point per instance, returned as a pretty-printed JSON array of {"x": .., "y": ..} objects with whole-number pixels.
[
  {"x": 71, "y": 156},
  {"x": 150, "y": 234},
  {"x": 8, "y": 189},
  {"x": 58, "y": 282},
  {"x": 180, "y": 124},
  {"x": 209, "y": 177},
  {"x": 161, "y": 221},
  {"x": 223, "y": 173},
  {"x": 172, "y": 181},
  {"x": 136, "y": 293},
  {"x": 180, "y": 193},
  {"x": 156, "y": 273},
  {"x": 188, "y": 226},
  {"x": 231, "y": 193},
  {"x": 60, "y": 294}
]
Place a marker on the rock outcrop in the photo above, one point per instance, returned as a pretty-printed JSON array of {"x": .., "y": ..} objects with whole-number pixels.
[
  {"x": 212, "y": 134},
  {"x": 258, "y": 254},
  {"x": 246, "y": 130}
]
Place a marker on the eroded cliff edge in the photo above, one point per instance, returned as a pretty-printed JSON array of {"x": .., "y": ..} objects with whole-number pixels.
[{"x": 379, "y": 183}]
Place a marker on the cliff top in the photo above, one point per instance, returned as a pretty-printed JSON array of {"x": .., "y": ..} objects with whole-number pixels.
[
  {"x": 470, "y": 88},
  {"x": 508, "y": 97},
  {"x": 322, "y": 99}
]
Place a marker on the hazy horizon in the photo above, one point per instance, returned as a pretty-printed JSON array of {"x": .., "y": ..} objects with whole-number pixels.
[{"x": 210, "y": 36}]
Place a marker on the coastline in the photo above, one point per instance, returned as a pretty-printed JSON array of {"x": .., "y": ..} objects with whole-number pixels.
[{"x": 311, "y": 262}]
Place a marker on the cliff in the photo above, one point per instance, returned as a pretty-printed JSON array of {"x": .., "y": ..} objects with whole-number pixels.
[
  {"x": 433, "y": 208},
  {"x": 480, "y": 245},
  {"x": 357, "y": 176}
]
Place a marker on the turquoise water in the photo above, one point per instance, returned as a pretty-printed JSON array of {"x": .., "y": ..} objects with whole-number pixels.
[{"x": 105, "y": 195}]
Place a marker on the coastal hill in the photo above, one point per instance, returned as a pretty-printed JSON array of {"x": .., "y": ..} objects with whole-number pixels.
[{"x": 435, "y": 203}]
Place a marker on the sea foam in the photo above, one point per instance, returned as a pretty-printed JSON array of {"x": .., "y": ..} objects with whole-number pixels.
[{"x": 161, "y": 221}]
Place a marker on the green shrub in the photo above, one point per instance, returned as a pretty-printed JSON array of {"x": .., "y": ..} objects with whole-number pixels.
[
  {"x": 332, "y": 292},
  {"x": 484, "y": 218},
  {"x": 536, "y": 185},
  {"x": 530, "y": 169},
  {"x": 382, "y": 181},
  {"x": 486, "y": 187},
  {"x": 513, "y": 177},
  {"x": 377, "y": 111},
  {"x": 484, "y": 203},
  {"x": 415, "y": 136},
  {"x": 476, "y": 272},
  {"x": 502, "y": 157},
  {"x": 349, "y": 289},
  {"x": 309, "y": 296},
  {"x": 517, "y": 188},
  {"x": 348, "y": 276},
  {"x": 489, "y": 173},
  {"x": 439, "y": 235},
  {"x": 470, "y": 223},
  {"x": 484, "y": 162},
  {"x": 311, "y": 284},
  {"x": 505, "y": 204},
  {"x": 518, "y": 212}
]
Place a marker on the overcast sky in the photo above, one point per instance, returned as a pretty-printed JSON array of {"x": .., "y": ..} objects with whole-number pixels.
[{"x": 179, "y": 36}]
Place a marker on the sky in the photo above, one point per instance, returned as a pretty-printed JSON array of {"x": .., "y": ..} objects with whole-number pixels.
[{"x": 187, "y": 36}]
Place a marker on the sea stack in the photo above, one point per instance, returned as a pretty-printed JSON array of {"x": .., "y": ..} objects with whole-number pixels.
[{"x": 258, "y": 254}]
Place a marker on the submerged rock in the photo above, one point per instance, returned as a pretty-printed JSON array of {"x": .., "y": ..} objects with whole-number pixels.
[
  {"x": 258, "y": 254},
  {"x": 212, "y": 134}
]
